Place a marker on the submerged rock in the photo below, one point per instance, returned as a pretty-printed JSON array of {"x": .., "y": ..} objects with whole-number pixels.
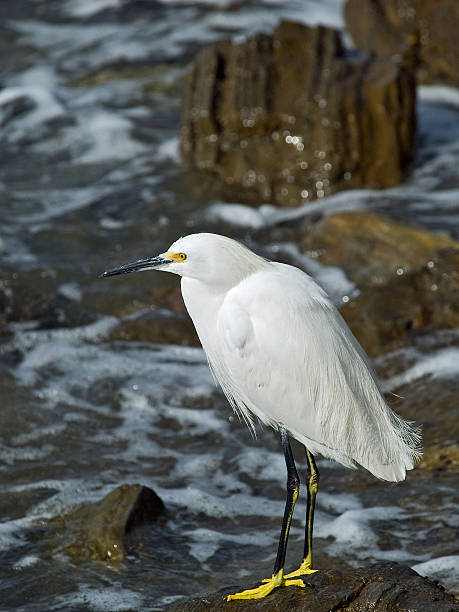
[
  {"x": 379, "y": 588},
  {"x": 392, "y": 27},
  {"x": 292, "y": 117},
  {"x": 96, "y": 531},
  {"x": 33, "y": 296}
]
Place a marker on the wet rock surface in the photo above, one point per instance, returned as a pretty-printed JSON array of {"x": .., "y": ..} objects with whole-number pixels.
[
  {"x": 370, "y": 248},
  {"x": 392, "y": 27},
  {"x": 292, "y": 117},
  {"x": 161, "y": 318},
  {"x": 96, "y": 531},
  {"x": 386, "y": 317},
  {"x": 381, "y": 588},
  {"x": 32, "y": 296}
]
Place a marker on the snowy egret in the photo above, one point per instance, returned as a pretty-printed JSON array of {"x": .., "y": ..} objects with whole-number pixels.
[{"x": 282, "y": 352}]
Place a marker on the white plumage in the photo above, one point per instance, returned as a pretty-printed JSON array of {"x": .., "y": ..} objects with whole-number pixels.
[{"x": 281, "y": 351}]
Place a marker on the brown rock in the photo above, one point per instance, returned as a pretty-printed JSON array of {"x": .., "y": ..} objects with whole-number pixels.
[
  {"x": 96, "y": 530},
  {"x": 291, "y": 117},
  {"x": 370, "y": 248},
  {"x": 441, "y": 458},
  {"x": 384, "y": 318},
  {"x": 379, "y": 588},
  {"x": 392, "y": 27}
]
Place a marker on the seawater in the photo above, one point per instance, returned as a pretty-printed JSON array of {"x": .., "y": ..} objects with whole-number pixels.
[{"x": 90, "y": 178}]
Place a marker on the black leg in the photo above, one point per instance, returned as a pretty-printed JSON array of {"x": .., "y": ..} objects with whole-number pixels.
[
  {"x": 293, "y": 487},
  {"x": 277, "y": 579}
]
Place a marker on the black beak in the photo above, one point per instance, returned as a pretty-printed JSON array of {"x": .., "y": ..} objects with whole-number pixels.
[{"x": 141, "y": 264}]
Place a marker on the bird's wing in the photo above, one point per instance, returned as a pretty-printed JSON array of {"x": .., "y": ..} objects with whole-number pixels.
[{"x": 285, "y": 354}]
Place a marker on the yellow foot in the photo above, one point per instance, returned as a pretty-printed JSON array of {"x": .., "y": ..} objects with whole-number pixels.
[
  {"x": 305, "y": 568},
  {"x": 265, "y": 589}
]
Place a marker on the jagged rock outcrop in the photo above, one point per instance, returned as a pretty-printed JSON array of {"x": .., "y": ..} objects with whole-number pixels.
[
  {"x": 292, "y": 117},
  {"x": 392, "y": 27},
  {"x": 379, "y": 588}
]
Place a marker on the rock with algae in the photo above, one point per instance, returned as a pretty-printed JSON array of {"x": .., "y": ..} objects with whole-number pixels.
[{"x": 380, "y": 588}]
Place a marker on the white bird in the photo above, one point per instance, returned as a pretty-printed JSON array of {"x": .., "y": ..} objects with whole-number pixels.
[{"x": 282, "y": 352}]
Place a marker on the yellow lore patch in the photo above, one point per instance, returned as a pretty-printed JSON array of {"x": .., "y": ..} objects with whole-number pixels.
[{"x": 177, "y": 257}]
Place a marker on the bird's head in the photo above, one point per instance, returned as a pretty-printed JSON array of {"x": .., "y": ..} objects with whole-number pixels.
[{"x": 210, "y": 258}]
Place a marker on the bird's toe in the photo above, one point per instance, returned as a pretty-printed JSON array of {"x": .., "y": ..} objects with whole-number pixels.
[
  {"x": 267, "y": 586},
  {"x": 304, "y": 569}
]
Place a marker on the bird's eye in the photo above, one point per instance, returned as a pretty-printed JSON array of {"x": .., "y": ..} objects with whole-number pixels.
[{"x": 181, "y": 256}]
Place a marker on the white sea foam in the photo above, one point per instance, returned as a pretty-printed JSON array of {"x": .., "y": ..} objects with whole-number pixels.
[
  {"x": 39, "y": 432},
  {"x": 352, "y": 530},
  {"x": 71, "y": 291},
  {"x": 441, "y": 94},
  {"x": 101, "y": 136},
  {"x": 26, "y": 561},
  {"x": 205, "y": 542},
  {"x": 113, "y": 598},
  {"x": 10, "y": 534},
  {"x": 236, "y": 214},
  {"x": 169, "y": 150},
  {"x": 38, "y": 85},
  {"x": 55, "y": 203},
  {"x": 262, "y": 464},
  {"x": 9, "y": 456},
  {"x": 339, "y": 503},
  {"x": 86, "y": 8},
  {"x": 444, "y": 363},
  {"x": 109, "y": 223},
  {"x": 443, "y": 569},
  {"x": 197, "y": 500}
]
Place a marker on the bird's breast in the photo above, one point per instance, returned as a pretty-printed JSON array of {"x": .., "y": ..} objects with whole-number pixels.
[{"x": 202, "y": 305}]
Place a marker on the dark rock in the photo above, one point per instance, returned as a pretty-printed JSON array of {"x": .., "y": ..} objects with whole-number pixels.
[
  {"x": 158, "y": 327},
  {"x": 433, "y": 402},
  {"x": 292, "y": 117},
  {"x": 384, "y": 318},
  {"x": 159, "y": 317},
  {"x": 372, "y": 249},
  {"x": 33, "y": 296},
  {"x": 392, "y": 27},
  {"x": 96, "y": 531},
  {"x": 15, "y": 107},
  {"x": 380, "y": 588}
]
